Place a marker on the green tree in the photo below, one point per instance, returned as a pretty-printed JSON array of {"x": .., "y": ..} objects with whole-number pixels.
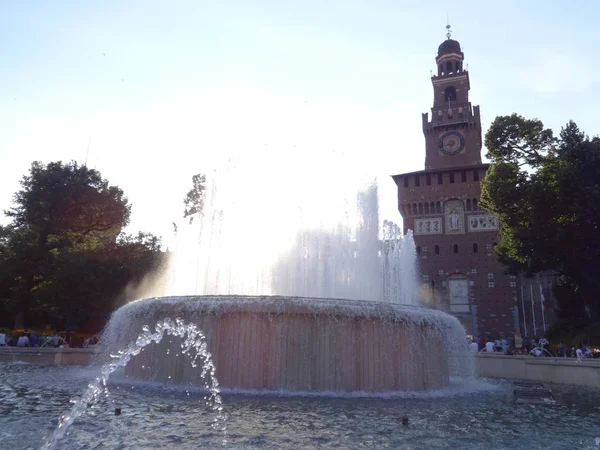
[
  {"x": 194, "y": 200},
  {"x": 86, "y": 286},
  {"x": 61, "y": 258},
  {"x": 546, "y": 193},
  {"x": 69, "y": 205}
]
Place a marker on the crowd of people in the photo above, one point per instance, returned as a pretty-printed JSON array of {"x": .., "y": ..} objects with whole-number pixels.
[
  {"x": 536, "y": 347},
  {"x": 47, "y": 340}
]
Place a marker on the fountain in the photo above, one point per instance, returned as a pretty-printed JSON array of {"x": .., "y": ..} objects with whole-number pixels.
[
  {"x": 299, "y": 344},
  {"x": 287, "y": 331},
  {"x": 341, "y": 312}
]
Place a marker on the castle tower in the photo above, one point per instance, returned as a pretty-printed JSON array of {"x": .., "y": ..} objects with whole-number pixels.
[
  {"x": 453, "y": 136},
  {"x": 459, "y": 271}
]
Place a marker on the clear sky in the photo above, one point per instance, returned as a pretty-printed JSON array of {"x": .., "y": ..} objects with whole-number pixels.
[{"x": 151, "y": 92}]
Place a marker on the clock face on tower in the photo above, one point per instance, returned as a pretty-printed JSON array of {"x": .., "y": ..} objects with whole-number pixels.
[{"x": 451, "y": 143}]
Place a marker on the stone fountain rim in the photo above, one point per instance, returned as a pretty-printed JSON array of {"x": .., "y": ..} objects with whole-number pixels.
[{"x": 278, "y": 304}]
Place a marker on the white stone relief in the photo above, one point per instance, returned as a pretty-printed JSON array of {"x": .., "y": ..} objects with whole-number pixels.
[
  {"x": 454, "y": 220},
  {"x": 487, "y": 222},
  {"x": 454, "y": 211},
  {"x": 428, "y": 226}
]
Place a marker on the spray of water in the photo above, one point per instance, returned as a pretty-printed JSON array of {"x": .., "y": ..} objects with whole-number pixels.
[
  {"x": 193, "y": 344},
  {"x": 407, "y": 267},
  {"x": 335, "y": 248}
]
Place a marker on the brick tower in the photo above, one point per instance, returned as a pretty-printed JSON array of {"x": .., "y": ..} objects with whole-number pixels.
[{"x": 455, "y": 238}]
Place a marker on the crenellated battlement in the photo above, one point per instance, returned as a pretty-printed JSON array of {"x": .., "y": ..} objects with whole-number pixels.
[{"x": 454, "y": 115}]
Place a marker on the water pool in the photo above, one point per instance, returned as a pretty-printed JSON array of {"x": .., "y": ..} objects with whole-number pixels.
[{"x": 468, "y": 415}]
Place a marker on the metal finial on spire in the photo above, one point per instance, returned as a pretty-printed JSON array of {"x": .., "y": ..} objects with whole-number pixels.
[{"x": 449, "y": 33}]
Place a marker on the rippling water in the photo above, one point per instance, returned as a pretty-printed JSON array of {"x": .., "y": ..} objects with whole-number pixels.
[{"x": 476, "y": 415}]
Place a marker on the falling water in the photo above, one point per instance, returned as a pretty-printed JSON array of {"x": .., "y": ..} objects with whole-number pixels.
[
  {"x": 300, "y": 344},
  {"x": 407, "y": 268},
  {"x": 193, "y": 344}
]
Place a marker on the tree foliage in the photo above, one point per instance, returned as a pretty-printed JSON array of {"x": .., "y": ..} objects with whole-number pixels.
[
  {"x": 63, "y": 259},
  {"x": 194, "y": 200},
  {"x": 68, "y": 204},
  {"x": 514, "y": 139},
  {"x": 546, "y": 193}
]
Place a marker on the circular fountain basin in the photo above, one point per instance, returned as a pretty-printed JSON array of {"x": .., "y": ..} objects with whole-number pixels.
[{"x": 295, "y": 344}]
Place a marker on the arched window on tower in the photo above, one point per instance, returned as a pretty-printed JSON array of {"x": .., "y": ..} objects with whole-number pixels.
[
  {"x": 432, "y": 207},
  {"x": 455, "y": 248},
  {"x": 421, "y": 208},
  {"x": 475, "y": 208},
  {"x": 437, "y": 249},
  {"x": 426, "y": 208},
  {"x": 475, "y": 248},
  {"x": 409, "y": 209},
  {"x": 450, "y": 94},
  {"x": 438, "y": 207},
  {"x": 415, "y": 210},
  {"x": 468, "y": 204},
  {"x": 449, "y": 67},
  {"x": 418, "y": 250}
]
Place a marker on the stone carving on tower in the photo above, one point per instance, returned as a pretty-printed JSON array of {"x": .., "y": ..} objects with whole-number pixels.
[
  {"x": 486, "y": 222},
  {"x": 428, "y": 226},
  {"x": 455, "y": 216}
]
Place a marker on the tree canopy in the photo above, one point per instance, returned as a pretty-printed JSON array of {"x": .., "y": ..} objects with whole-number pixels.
[
  {"x": 194, "y": 200},
  {"x": 68, "y": 204},
  {"x": 546, "y": 193},
  {"x": 64, "y": 260}
]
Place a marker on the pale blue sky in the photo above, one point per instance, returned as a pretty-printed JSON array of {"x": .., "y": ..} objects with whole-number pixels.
[{"x": 159, "y": 88}]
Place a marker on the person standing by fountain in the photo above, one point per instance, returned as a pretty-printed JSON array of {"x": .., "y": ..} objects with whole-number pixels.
[
  {"x": 23, "y": 341},
  {"x": 33, "y": 340},
  {"x": 504, "y": 344},
  {"x": 543, "y": 342}
]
